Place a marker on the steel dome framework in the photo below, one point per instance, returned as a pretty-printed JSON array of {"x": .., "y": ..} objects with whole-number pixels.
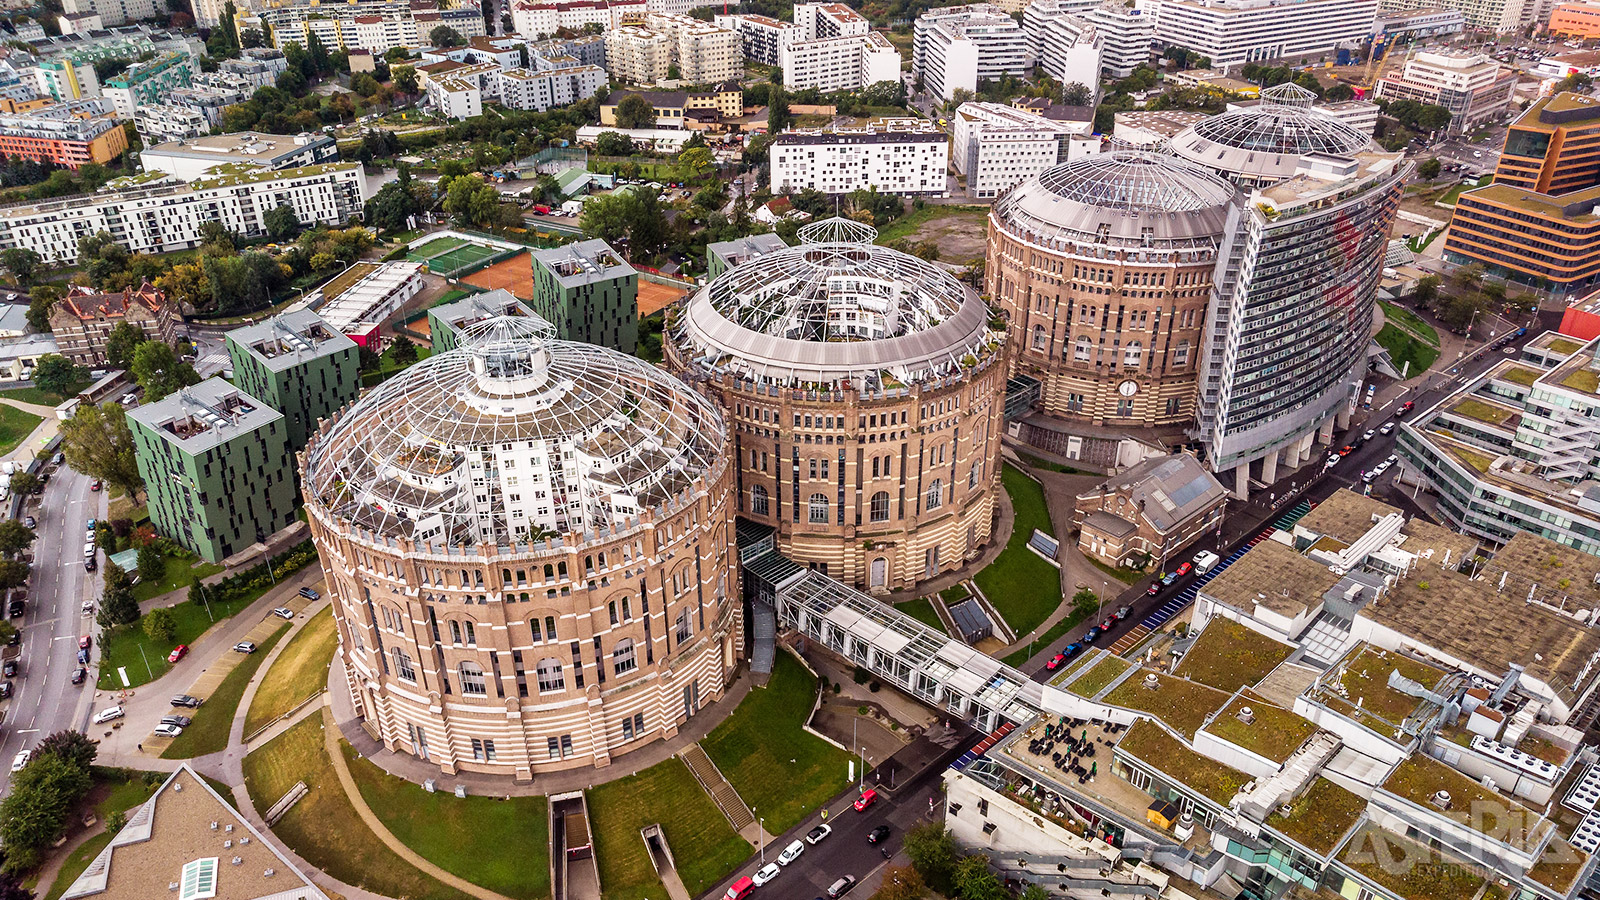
[
  {"x": 837, "y": 230},
  {"x": 822, "y": 312},
  {"x": 1280, "y": 128},
  {"x": 434, "y": 454},
  {"x": 1132, "y": 181}
]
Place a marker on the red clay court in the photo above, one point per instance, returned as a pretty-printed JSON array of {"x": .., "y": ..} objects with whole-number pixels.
[
  {"x": 653, "y": 296},
  {"x": 514, "y": 274}
]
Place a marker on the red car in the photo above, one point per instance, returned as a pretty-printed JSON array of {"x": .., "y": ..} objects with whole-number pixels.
[
  {"x": 868, "y": 798},
  {"x": 1185, "y": 569},
  {"x": 94, "y": 485},
  {"x": 1056, "y": 661},
  {"x": 178, "y": 652},
  {"x": 83, "y": 642}
]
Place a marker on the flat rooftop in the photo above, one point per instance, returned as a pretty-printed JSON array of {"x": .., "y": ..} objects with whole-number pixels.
[
  {"x": 584, "y": 262},
  {"x": 1580, "y": 372},
  {"x": 347, "y": 300},
  {"x": 205, "y": 415},
  {"x": 290, "y": 338},
  {"x": 1345, "y": 516},
  {"x": 1530, "y": 557},
  {"x": 1358, "y": 687},
  {"x": 1274, "y": 576},
  {"x": 243, "y": 145},
  {"x": 1419, "y": 778}
]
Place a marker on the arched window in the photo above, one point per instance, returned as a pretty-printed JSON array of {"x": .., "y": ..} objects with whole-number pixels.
[
  {"x": 402, "y": 665},
  {"x": 550, "y": 626},
  {"x": 613, "y": 610},
  {"x": 758, "y": 500},
  {"x": 818, "y": 509},
  {"x": 1041, "y": 337},
  {"x": 880, "y": 506},
  {"x": 1132, "y": 355},
  {"x": 622, "y": 659},
  {"x": 533, "y": 626},
  {"x": 935, "y": 495},
  {"x": 550, "y": 677},
  {"x": 1180, "y": 356},
  {"x": 1081, "y": 349},
  {"x": 455, "y": 632},
  {"x": 471, "y": 678}
]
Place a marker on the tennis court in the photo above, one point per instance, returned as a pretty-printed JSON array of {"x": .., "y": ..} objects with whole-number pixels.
[
  {"x": 452, "y": 261},
  {"x": 434, "y": 248},
  {"x": 653, "y": 296},
  {"x": 514, "y": 274}
]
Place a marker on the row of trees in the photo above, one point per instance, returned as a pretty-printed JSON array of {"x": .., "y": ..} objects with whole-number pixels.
[
  {"x": 1466, "y": 296},
  {"x": 43, "y": 796},
  {"x": 937, "y": 865}
]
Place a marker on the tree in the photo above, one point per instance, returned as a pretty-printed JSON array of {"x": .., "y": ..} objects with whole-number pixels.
[
  {"x": 974, "y": 880},
  {"x": 117, "y": 599},
  {"x": 403, "y": 352},
  {"x": 1339, "y": 93},
  {"x": 635, "y": 111},
  {"x": 15, "y": 537},
  {"x": 159, "y": 371},
  {"x": 98, "y": 443},
  {"x": 1430, "y": 168},
  {"x": 471, "y": 200},
  {"x": 696, "y": 161},
  {"x": 55, "y": 374},
  {"x": 159, "y": 625},
  {"x": 22, "y": 263},
  {"x": 252, "y": 38},
  {"x": 405, "y": 79},
  {"x": 281, "y": 222},
  {"x": 391, "y": 207},
  {"x": 364, "y": 84},
  {"x": 186, "y": 284},
  {"x": 43, "y": 300},
  {"x": 611, "y": 143},
  {"x": 1427, "y": 290},
  {"x": 778, "y": 117},
  {"x": 73, "y": 746},
  {"x": 151, "y": 563},
  {"x": 901, "y": 883},
  {"x": 121, "y": 343},
  {"x": 36, "y": 811},
  {"x": 445, "y": 36},
  {"x": 1077, "y": 94},
  {"x": 933, "y": 852},
  {"x": 24, "y": 482}
]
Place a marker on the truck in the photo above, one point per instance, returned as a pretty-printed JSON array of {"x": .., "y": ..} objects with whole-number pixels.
[{"x": 1205, "y": 561}]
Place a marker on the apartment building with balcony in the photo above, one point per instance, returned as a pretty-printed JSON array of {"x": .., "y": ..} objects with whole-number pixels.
[
  {"x": 955, "y": 47},
  {"x": 299, "y": 365},
  {"x": 1473, "y": 86},
  {"x": 67, "y": 134}
]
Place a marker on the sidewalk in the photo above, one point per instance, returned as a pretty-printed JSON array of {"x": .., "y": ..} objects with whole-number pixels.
[{"x": 42, "y": 434}]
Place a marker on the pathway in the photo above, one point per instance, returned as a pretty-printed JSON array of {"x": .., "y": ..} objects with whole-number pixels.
[
  {"x": 722, "y": 793},
  {"x": 42, "y": 434}
]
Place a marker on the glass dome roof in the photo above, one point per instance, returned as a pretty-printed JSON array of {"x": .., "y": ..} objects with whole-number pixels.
[{"x": 1134, "y": 181}]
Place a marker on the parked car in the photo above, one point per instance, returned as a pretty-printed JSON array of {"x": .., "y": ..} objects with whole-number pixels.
[
  {"x": 740, "y": 889},
  {"x": 1369, "y": 435},
  {"x": 1091, "y": 635},
  {"x": 9, "y": 668},
  {"x": 310, "y": 594},
  {"x": 83, "y": 642},
  {"x": 107, "y": 715},
  {"x": 816, "y": 835},
  {"x": 1056, "y": 662},
  {"x": 1388, "y": 428},
  {"x": 283, "y": 612},
  {"x": 178, "y": 652},
  {"x": 791, "y": 853},
  {"x": 15, "y": 638},
  {"x": 175, "y": 719},
  {"x": 171, "y": 731},
  {"x": 30, "y": 521},
  {"x": 1154, "y": 589},
  {"x": 766, "y": 874},
  {"x": 841, "y": 887},
  {"x": 88, "y": 607},
  {"x": 186, "y": 700},
  {"x": 1185, "y": 568},
  {"x": 95, "y": 485},
  {"x": 878, "y": 835},
  {"x": 1347, "y": 449},
  {"x": 79, "y": 676},
  {"x": 867, "y": 798},
  {"x": 20, "y": 760},
  {"x": 6, "y": 690},
  {"x": 244, "y": 647},
  {"x": 16, "y": 609},
  {"x": 1169, "y": 578}
]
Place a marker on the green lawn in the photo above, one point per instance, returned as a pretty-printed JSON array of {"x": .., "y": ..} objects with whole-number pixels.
[
  {"x": 754, "y": 746},
  {"x": 1049, "y": 466},
  {"x": 75, "y": 863},
  {"x": 703, "y": 844},
  {"x": 214, "y": 720},
  {"x": 1052, "y": 634},
  {"x": 922, "y": 610},
  {"x": 1022, "y": 586},
  {"x": 299, "y": 672},
  {"x": 1404, "y": 348},
  {"x": 145, "y": 658},
  {"x": 43, "y": 397},
  {"x": 324, "y": 827},
  {"x": 910, "y": 223},
  {"x": 181, "y": 572},
  {"x": 502, "y": 845},
  {"x": 15, "y": 426},
  {"x": 1410, "y": 321},
  {"x": 1450, "y": 196}
]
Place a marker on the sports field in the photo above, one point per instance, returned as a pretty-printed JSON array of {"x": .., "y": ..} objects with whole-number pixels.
[
  {"x": 514, "y": 274},
  {"x": 433, "y": 248},
  {"x": 452, "y": 261},
  {"x": 653, "y": 296}
]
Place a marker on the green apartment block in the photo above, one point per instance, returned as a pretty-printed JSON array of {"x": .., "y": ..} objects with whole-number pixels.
[
  {"x": 216, "y": 466},
  {"x": 447, "y": 322},
  {"x": 148, "y": 82},
  {"x": 298, "y": 365},
  {"x": 589, "y": 293},
  {"x": 724, "y": 255}
]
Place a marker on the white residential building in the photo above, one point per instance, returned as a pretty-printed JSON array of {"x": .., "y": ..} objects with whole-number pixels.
[
  {"x": 191, "y": 160},
  {"x": 1474, "y": 87},
  {"x": 997, "y": 146},
  {"x": 1066, "y": 44},
  {"x": 958, "y": 46},
  {"x": 1126, "y": 35},
  {"x": 637, "y": 55},
  {"x": 377, "y": 26},
  {"x": 828, "y": 46},
  {"x": 114, "y": 12},
  {"x": 169, "y": 217},
  {"x": 455, "y": 98},
  {"x": 762, "y": 38},
  {"x": 539, "y": 20},
  {"x": 646, "y": 54},
  {"x": 546, "y": 88},
  {"x": 895, "y": 156},
  {"x": 161, "y": 122},
  {"x": 1499, "y": 16},
  {"x": 1234, "y": 32}
]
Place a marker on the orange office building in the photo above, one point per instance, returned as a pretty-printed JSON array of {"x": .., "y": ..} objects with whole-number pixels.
[
  {"x": 1576, "y": 20},
  {"x": 68, "y": 134},
  {"x": 1537, "y": 223}
]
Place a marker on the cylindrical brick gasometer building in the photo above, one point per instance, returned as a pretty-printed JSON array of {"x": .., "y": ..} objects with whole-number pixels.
[
  {"x": 528, "y": 544},
  {"x": 865, "y": 390}
]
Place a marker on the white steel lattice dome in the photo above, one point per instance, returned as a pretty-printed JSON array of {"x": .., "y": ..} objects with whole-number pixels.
[
  {"x": 513, "y": 436},
  {"x": 822, "y": 312},
  {"x": 1264, "y": 144}
]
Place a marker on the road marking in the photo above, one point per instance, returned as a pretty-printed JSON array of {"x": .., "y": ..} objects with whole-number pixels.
[{"x": 26, "y": 730}]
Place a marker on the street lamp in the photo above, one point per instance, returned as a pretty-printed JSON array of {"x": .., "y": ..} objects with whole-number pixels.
[{"x": 761, "y": 837}]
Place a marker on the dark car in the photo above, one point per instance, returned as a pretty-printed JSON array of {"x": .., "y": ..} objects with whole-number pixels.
[
  {"x": 310, "y": 594},
  {"x": 15, "y": 639},
  {"x": 15, "y": 609},
  {"x": 1154, "y": 590},
  {"x": 6, "y": 690},
  {"x": 1091, "y": 635},
  {"x": 186, "y": 700},
  {"x": 175, "y": 719},
  {"x": 79, "y": 676},
  {"x": 878, "y": 835},
  {"x": 9, "y": 669}
]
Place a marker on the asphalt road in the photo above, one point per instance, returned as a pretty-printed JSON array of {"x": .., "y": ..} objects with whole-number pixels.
[
  {"x": 46, "y": 700},
  {"x": 1243, "y": 521}
]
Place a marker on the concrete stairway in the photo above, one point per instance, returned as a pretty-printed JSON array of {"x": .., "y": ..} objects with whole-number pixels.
[
  {"x": 726, "y": 798},
  {"x": 764, "y": 629}
]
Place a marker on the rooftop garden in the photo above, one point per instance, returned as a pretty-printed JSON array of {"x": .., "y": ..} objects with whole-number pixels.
[
  {"x": 1564, "y": 346},
  {"x": 1479, "y": 461},
  {"x": 1419, "y": 778},
  {"x": 345, "y": 280},
  {"x": 1183, "y": 705},
  {"x": 1519, "y": 375},
  {"x": 1095, "y": 680},
  {"x": 1228, "y": 656},
  {"x": 1484, "y": 412},
  {"x": 1585, "y": 380},
  {"x": 1559, "y": 866},
  {"x": 1274, "y": 732},
  {"x": 1319, "y": 817},
  {"x": 1366, "y": 678},
  {"x": 1408, "y": 869},
  {"x": 1156, "y": 748},
  {"x": 1066, "y": 671}
]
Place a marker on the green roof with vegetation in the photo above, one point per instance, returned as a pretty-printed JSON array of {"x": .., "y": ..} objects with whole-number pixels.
[
  {"x": 1473, "y": 408},
  {"x": 1366, "y": 677},
  {"x": 1273, "y": 732},
  {"x": 1585, "y": 380},
  {"x": 1095, "y": 680},
  {"x": 1558, "y": 866},
  {"x": 1419, "y": 778},
  {"x": 1320, "y": 817},
  {"x": 1228, "y": 656},
  {"x": 1407, "y": 869},
  {"x": 1183, "y": 705},
  {"x": 1153, "y": 746},
  {"x": 1519, "y": 375},
  {"x": 1564, "y": 346}
]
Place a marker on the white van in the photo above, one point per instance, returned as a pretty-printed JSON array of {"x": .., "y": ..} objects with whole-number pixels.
[{"x": 1205, "y": 561}]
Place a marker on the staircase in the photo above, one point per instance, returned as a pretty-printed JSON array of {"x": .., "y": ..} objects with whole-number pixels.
[
  {"x": 721, "y": 792},
  {"x": 764, "y": 628}
]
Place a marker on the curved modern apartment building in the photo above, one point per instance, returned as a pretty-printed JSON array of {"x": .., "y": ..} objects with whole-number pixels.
[
  {"x": 1103, "y": 266},
  {"x": 528, "y": 544},
  {"x": 864, "y": 389}
]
